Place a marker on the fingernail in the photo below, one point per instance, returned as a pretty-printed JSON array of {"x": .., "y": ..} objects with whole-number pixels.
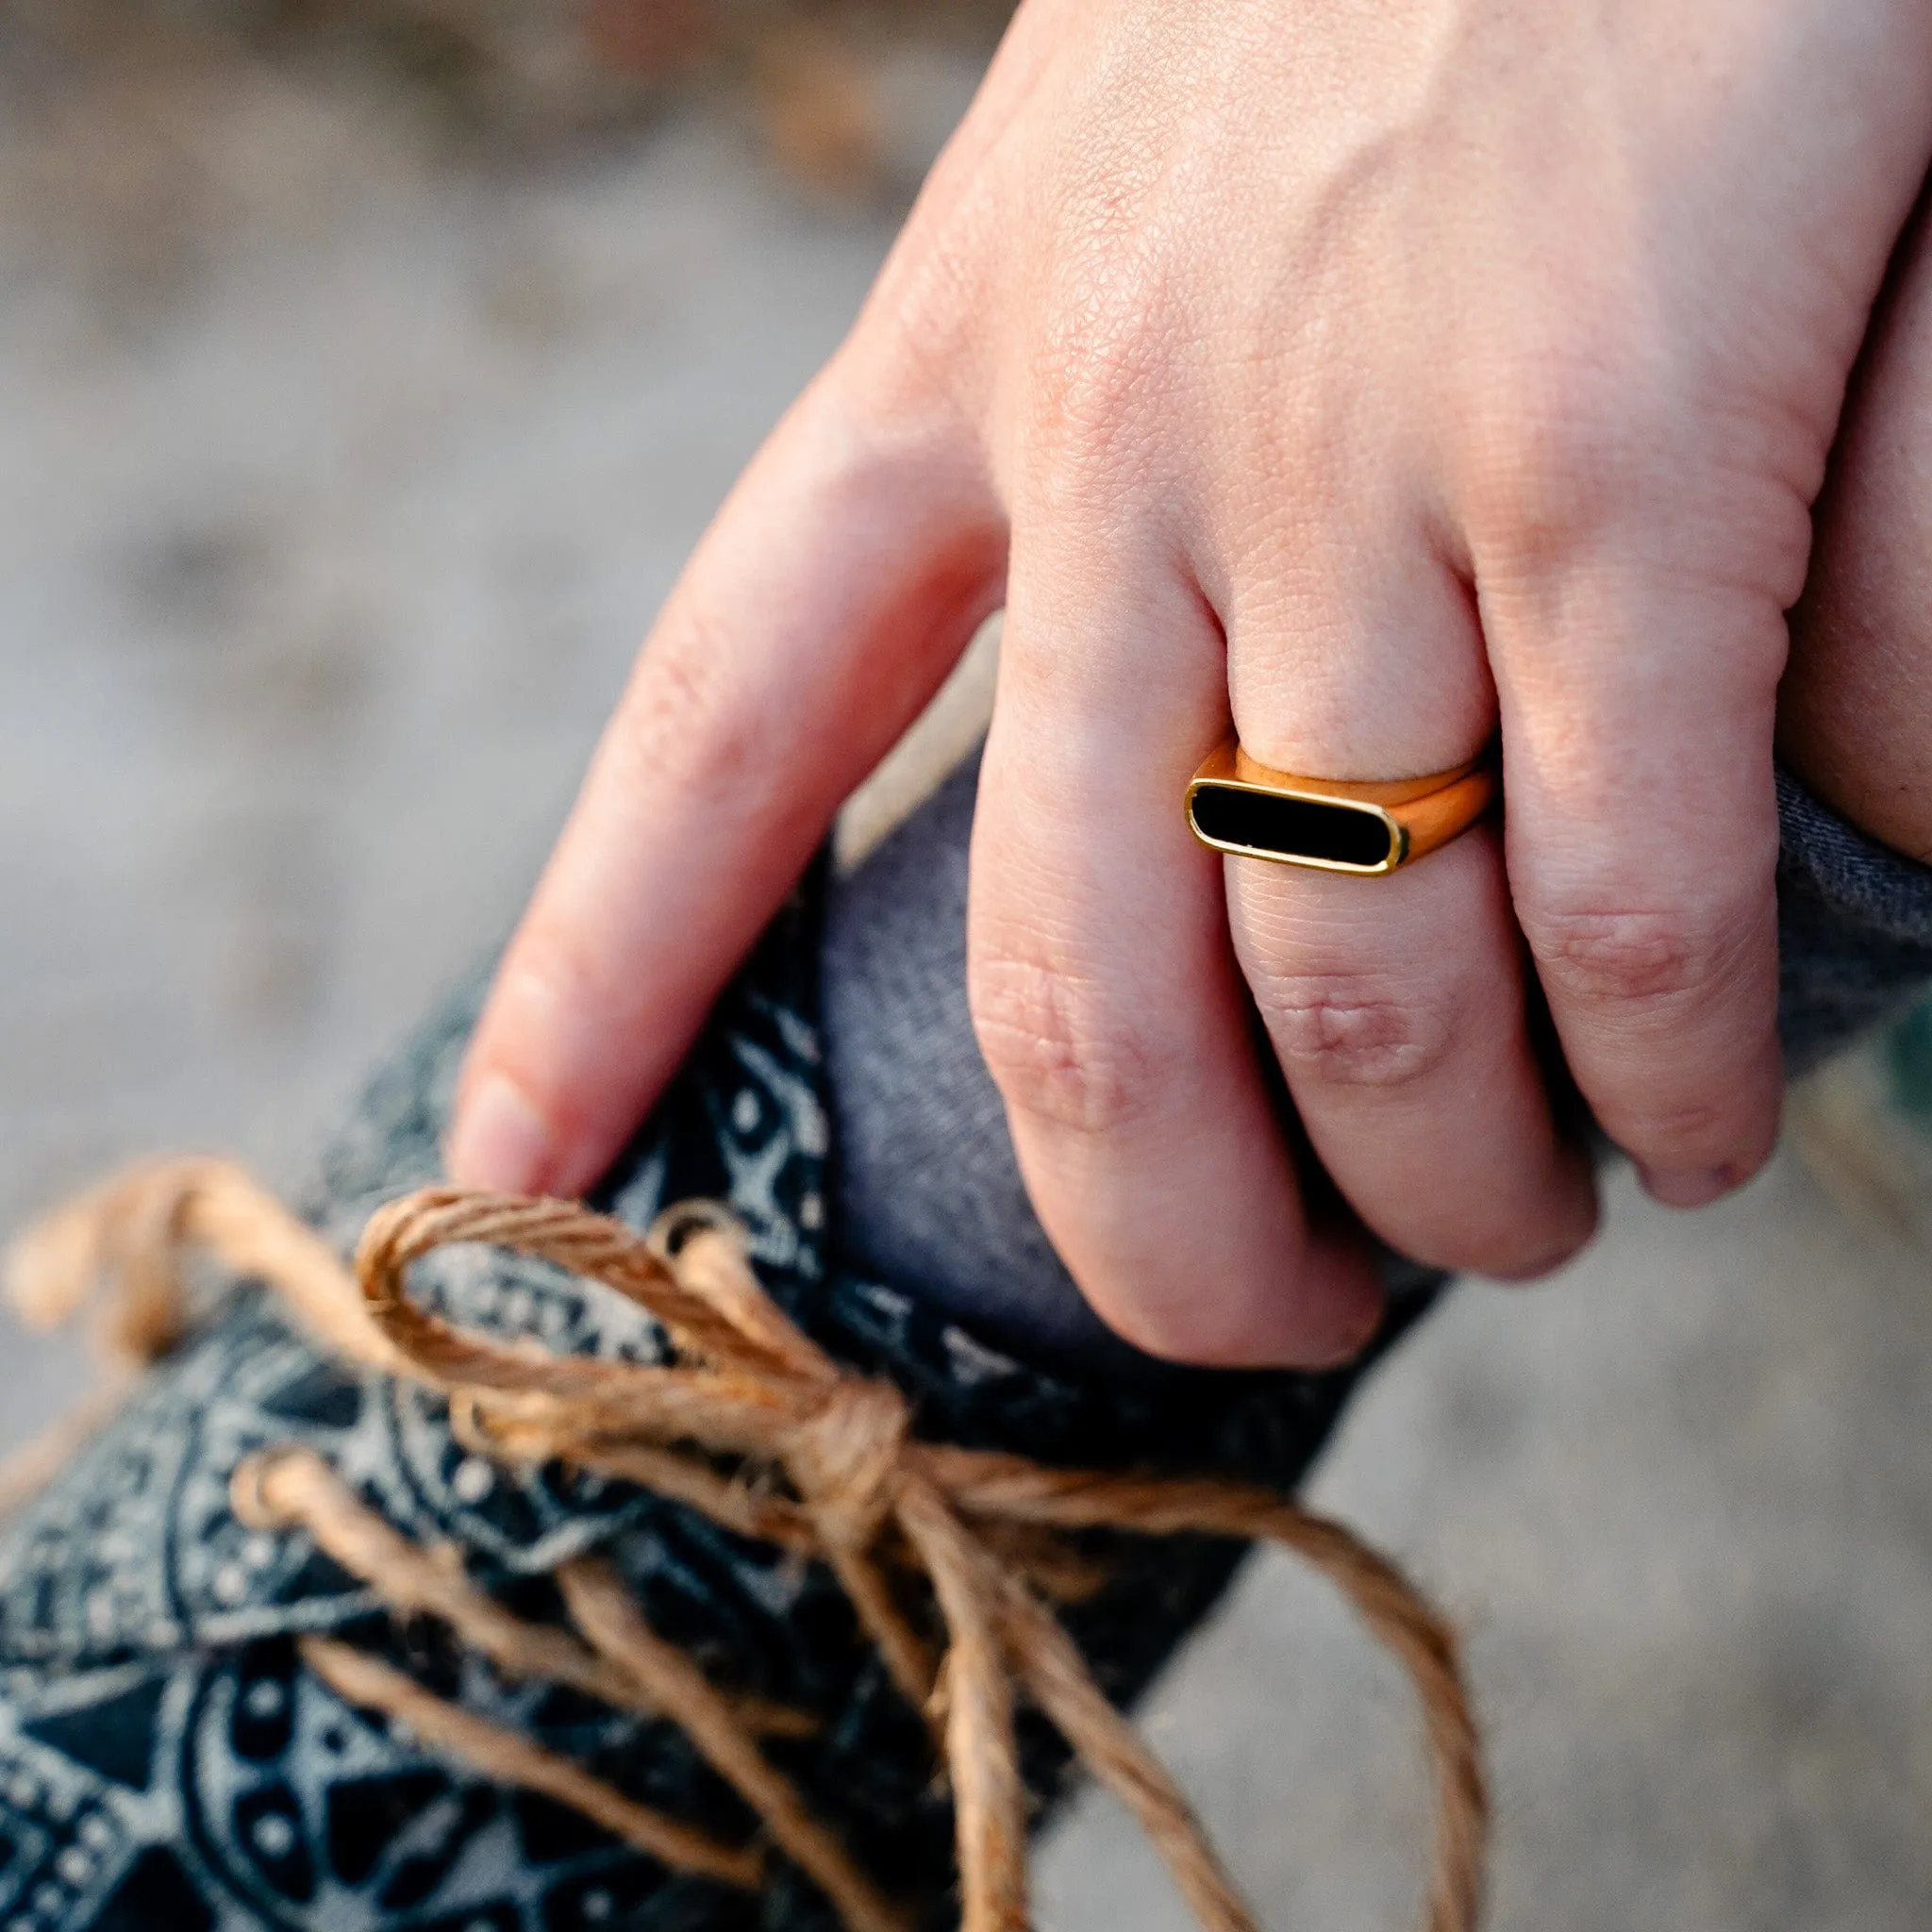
[
  {"x": 1346, "y": 1339},
  {"x": 499, "y": 1141},
  {"x": 1686, "y": 1188}
]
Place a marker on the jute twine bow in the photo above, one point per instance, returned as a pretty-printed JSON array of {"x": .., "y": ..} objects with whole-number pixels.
[{"x": 759, "y": 1429}]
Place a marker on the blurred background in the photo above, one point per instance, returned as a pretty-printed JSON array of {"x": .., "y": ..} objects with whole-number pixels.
[{"x": 366, "y": 369}]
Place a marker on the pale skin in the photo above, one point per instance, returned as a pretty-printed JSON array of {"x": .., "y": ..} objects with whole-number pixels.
[
  {"x": 1854, "y": 713},
  {"x": 1377, "y": 378}
]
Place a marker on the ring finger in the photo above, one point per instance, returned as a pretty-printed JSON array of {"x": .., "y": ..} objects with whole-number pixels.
[{"x": 1397, "y": 1009}]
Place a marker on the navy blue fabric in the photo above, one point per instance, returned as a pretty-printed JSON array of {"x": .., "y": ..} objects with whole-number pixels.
[
  {"x": 165, "y": 1760},
  {"x": 1855, "y": 928}
]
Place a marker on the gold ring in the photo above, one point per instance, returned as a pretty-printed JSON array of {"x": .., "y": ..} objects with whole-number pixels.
[{"x": 1334, "y": 825}]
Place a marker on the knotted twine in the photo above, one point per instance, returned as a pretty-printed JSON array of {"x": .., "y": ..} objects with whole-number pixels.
[{"x": 758, "y": 1427}]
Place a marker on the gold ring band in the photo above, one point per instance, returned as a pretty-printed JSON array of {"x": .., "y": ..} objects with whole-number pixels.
[{"x": 1333, "y": 824}]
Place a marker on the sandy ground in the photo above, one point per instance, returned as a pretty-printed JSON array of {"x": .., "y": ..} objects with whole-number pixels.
[{"x": 338, "y": 479}]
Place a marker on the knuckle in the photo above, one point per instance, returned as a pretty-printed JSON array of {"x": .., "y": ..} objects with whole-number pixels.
[
  {"x": 1680, "y": 1124},
  {"x": 1677, "y": 1014},
  {"x": 1343, "y": 1029},
  {"x": 1057, "y": 1054},
  {"x": 682, "y": 721},
  {"x": 1633, "y": 959}
]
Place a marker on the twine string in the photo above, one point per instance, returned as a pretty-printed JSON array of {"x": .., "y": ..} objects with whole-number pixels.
[{"x": 759, "y": 1429}]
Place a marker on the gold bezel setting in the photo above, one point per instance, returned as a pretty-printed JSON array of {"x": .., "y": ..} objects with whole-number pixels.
[{"x": 1413, "y": 816}]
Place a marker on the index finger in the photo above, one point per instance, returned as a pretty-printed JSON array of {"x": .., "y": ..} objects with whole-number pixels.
[{"x": 841, "y": 581}]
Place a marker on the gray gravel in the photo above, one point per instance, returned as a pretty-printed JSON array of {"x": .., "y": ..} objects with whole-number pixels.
[{"x": 338, "y": 479}]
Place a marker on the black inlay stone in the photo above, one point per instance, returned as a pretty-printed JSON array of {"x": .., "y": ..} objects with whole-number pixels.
[{"x": 1292, "y": 827}]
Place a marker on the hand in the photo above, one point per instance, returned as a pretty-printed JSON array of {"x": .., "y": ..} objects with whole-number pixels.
[{"x": 1374, "y": 374}]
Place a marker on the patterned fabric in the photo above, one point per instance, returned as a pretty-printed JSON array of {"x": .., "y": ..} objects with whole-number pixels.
[{"x": 166, "y": 1762}]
